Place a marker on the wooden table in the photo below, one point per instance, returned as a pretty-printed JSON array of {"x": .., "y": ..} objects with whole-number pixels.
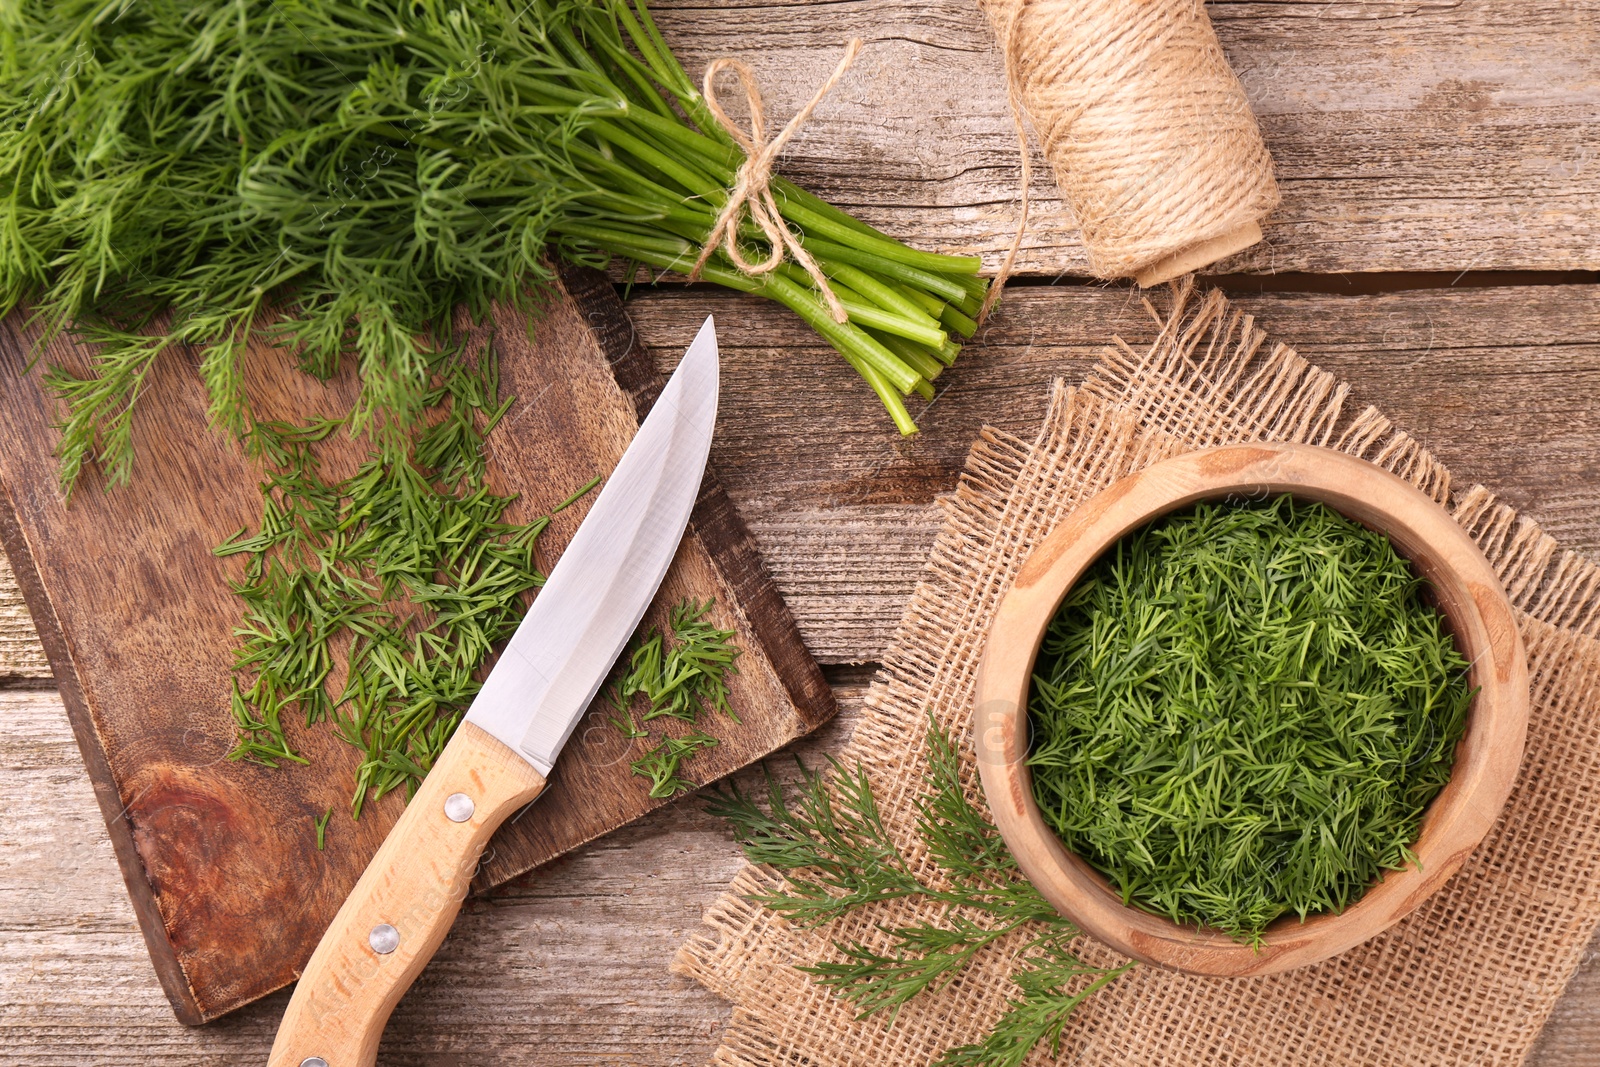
[{"x": 1438, "y": 246}]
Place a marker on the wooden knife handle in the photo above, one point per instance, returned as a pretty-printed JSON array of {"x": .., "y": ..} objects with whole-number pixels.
[{"x": 403, "y": 905}]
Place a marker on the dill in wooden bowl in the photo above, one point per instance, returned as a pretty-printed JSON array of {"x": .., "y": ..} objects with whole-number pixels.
[
  {"x": 1248, "y": 707},
  {"x": 1241, "y": 712}
]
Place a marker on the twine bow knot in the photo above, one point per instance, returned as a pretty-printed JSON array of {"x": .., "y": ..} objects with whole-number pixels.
[{"x": 752, "y": 187}]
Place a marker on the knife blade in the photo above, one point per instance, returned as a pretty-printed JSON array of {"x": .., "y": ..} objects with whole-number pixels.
[
  {"x": 503, "y": 751},
  {"x": 591, "y": 603}
]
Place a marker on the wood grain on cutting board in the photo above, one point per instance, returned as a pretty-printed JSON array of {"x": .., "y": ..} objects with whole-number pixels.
[{"x": 136, "y": 616}]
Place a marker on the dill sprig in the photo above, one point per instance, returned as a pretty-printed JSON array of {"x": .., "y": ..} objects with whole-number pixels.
[
  {"x": 684, "y": 678},
  {"x": 1240, "y": 712},
  {"x": 827, "y": 835},
  {"x": 180, "y": 178},
  {"x": 397, "y": 581}
]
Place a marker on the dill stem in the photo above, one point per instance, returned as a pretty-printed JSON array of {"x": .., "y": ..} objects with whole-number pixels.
[
  {"x": 725, "y": 157},
  {"x": 953, "y": 319},
  {"x": 892, "y": 403},
  {"x": 693, "y": 181},
  {"x": 924, "y": 300},
  {"x": 884, "y": 248},
  {"x": 888, "y": 322},
  {"x": 938, "y": 284},
  {"x": 861, "y": 309},
  {"x": 888, "y": 299},
  {"x": 843, "y": 336},
  {"x": 679, "y": 255},
  {"x": 916, "y": 357},
  {"x": 794, "y": 203},
  {"x": 910, "y": 323},
  {"x": 639, "y": 76}
]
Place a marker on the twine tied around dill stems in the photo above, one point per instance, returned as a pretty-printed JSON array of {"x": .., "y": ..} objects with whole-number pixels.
[
  {"x": 752, "y": 186},
  {"x": 1146, "y": 126}
]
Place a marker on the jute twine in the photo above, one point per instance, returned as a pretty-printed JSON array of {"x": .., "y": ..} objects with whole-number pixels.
[
  {"x": 752, "y": 187},
  {"x": 1466, "y": 980},
  {"x": 1153, "y": 144}
]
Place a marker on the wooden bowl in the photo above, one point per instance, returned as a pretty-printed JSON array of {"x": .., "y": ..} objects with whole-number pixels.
[{"x": 1467, "y": 592}]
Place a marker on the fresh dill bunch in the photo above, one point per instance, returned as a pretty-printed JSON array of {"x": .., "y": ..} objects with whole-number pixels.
[
  {"x": 1241, "y": 712},
  {"x": 184, "y": 178},
  {"x": 684, "y": 678},
  {"x": 401, "y": 579},
  {"x": 827, "y": 836}
]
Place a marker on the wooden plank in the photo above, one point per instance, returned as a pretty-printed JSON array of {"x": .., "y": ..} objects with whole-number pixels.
[
  {"x": 565, "y": 965},
  {"x": 586, "y": 943},
  {"x": 21, "y": 656},
  {"x": 1498, "y": 382},
  {"x": 1569, "y": 1038},
  {"x": 136, "y": 617},
  {"x": 1408, "y": 134}
]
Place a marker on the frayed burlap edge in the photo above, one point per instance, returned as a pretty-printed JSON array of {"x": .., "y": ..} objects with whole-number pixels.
[{"x": 1468, "y": 979}]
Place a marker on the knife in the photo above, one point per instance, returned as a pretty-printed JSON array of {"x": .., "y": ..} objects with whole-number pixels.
[{"x": 502, "y": 753}]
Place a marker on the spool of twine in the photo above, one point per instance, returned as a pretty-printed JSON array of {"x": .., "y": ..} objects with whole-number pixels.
[{"x": 1146, "y": 127}]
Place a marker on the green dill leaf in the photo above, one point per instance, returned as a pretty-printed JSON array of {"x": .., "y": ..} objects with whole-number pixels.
[
  {"x": 1053, "y": 982},
  {"x": 828, "y": 839},
  {"x": 660, "y": 765},
  {"x": 402, "y": 579}
]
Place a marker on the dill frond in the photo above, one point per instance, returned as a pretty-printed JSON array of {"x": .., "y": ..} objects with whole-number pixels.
[
  {"x": 401, "y": 579},
  {"x": 826, "y": 834}
]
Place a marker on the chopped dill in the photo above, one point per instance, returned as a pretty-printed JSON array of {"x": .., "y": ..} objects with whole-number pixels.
[
  {"x": 370, "y": 603},
  {"x": 683, "y": 679},
  {"x": 322, "y": 829},
  {"x": 661, "y": 763},
  {"x": 688, "y": 677},
  {"x": 1241, "y": 712}
]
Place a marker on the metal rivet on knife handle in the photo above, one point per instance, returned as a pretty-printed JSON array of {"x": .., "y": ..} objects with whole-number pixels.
[
  {"x": 313, "y": 1061},
  {"x": 458, "y": 807},
  {"x": 384, "y": 939}
]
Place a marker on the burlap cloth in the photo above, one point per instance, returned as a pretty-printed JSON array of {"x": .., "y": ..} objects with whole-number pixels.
[{"x": 1469, "y": 978}]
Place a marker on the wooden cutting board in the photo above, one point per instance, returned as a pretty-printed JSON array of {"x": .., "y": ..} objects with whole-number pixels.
[{"x": 136, "y": 616}]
